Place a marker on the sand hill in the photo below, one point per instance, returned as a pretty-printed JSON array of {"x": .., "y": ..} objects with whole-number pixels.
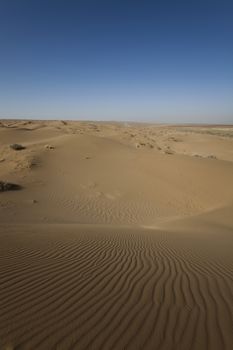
[{"x": 119, "y": 236}]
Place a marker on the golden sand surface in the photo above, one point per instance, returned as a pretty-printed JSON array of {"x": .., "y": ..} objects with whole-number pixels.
[{"x": 120, "y": 236}]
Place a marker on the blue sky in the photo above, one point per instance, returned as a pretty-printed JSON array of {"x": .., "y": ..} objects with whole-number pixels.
[{"x": 164, "y": 61}]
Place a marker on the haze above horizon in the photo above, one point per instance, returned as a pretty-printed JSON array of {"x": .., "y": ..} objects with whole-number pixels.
[{"x": 155, "y": 61}]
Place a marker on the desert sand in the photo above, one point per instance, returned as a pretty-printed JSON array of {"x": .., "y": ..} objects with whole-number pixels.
[{"x": 118, "y": 236}]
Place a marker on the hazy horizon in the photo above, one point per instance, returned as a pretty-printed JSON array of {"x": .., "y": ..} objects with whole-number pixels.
[{"x": 123, "y": 60}]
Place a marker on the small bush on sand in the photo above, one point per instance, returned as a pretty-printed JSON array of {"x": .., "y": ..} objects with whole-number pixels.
[
  {"x": 17, "y": 147},
  {"x": 8, "y": 186}
]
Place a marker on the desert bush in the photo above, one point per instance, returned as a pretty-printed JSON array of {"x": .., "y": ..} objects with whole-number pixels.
[
  {"x": 8, "y": 186},
  {"x": 17, "y": 147}
]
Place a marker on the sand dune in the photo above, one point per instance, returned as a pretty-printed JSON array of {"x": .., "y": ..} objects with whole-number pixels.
[
  {"x": 92, "y": 176},
  {"x": 120, "y": 238}
]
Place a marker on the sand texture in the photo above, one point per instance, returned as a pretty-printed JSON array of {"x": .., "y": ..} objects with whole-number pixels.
[{"x": 118, "y": 236}]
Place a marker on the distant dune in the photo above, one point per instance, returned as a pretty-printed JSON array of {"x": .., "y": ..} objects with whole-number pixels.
[{"x": 120, "y": 236}]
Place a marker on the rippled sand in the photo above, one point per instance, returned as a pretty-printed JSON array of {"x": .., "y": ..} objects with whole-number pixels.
[{"x": 121, "y": 236}]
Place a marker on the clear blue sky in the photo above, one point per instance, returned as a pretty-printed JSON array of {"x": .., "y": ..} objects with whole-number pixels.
[{"x": 166, "y": 61}]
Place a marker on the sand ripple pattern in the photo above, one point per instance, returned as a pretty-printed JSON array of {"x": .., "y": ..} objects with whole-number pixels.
[{"x": 72, "y": 287}]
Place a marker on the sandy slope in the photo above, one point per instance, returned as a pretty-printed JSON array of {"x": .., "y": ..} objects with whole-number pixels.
[
  {"x": 114, "y": 174},
  {"x": 121, "y": 237}
]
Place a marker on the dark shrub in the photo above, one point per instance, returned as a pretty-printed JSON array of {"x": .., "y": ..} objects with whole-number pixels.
[
  {"x": 7, "y": 186},
  {"x": 17, "y": 147}
]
